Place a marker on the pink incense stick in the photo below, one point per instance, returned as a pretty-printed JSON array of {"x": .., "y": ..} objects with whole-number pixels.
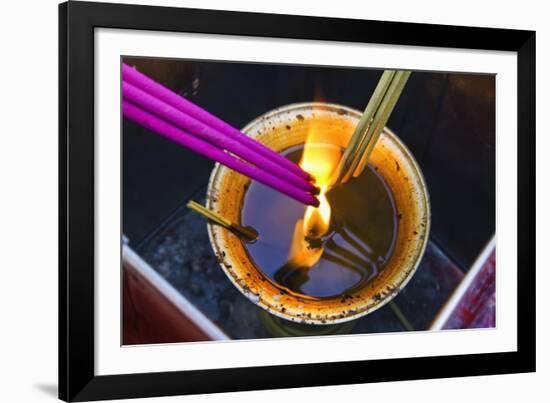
[
  {"x": 134, "y": 77},
  {"x": 206, "y": 149},
  {"x": 163, "y": 110}
]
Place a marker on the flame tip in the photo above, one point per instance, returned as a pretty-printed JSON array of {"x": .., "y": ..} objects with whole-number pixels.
[{"x": 319, "y": 162}]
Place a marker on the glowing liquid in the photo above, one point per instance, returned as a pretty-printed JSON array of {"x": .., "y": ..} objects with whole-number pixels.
[{"x": 360, "y": 240}]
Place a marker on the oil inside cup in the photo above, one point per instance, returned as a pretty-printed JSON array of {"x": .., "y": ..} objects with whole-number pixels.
[{"x": 358, "y": 243}]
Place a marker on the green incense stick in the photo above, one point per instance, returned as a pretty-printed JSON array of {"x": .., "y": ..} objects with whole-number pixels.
[{"x": 371, "y": 124}]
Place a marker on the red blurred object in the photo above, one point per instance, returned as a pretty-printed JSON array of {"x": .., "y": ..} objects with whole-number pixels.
[
  {"x": 476, "y": 308},
  {"x": 152, "y": 315}
]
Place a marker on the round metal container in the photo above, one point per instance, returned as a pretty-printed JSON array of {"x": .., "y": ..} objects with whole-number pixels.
[{"x": 286, "y": 127}]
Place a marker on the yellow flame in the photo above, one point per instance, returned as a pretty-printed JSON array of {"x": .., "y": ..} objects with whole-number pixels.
[
  {"x": 320, "y": 159},
  {"x": 301, "y": 255},
  {"x": 317, "y": 219}
]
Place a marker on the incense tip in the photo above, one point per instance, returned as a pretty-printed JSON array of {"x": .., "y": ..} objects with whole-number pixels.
[
  {"x": 316, "y": 190},
  {"x": 315, "y": 202}
]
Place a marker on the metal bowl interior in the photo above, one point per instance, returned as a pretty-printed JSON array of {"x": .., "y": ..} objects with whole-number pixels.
[{"x": 286, "y": 127}]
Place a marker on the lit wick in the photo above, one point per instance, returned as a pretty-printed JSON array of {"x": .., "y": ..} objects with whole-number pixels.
[
  {"x": 320, "y": 159},
  {"x": 317, "y": 219}
]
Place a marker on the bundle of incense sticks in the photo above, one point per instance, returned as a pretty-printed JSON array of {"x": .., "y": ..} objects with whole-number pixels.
[
  {"x": 372, "y": 123},
  {"x": 162, "y": 111}
]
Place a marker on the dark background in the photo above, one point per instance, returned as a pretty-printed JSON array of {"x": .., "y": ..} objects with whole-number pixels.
[{"x": 447, "y": 120}]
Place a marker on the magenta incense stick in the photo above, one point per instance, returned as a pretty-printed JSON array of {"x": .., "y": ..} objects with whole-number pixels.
[
  {"x": 140, "y": 80},
  {"x": 213, "y": 136},
  {"x": 160, "y": 126}
]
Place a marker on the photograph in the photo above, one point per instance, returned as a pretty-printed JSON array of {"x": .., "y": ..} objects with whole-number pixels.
[
  {"x": 213, "y": 201},
  {"x": 268, "y": 200}
]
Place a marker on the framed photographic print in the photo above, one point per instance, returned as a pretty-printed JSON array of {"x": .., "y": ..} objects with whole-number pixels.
[{"x": 259, "y": 201}]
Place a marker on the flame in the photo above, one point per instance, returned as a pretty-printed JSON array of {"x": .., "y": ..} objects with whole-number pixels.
[
  {"x": 320, "y": 159},
  {"x": 301, "y": 253},
  {"x": 317, "y": 220}
]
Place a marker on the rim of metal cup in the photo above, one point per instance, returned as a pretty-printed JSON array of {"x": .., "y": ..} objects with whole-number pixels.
[{"x": 254, "y": 293}]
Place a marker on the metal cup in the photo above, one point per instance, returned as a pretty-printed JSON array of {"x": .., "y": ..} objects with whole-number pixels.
[{"x": 286, "y": 127}]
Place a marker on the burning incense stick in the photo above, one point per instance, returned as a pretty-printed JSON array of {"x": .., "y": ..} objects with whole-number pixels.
[
  {"x": 160, "y": 126},
  {"x": 165, "y": 111},
  {"x": 247, "y": 232},
  {"x": 157, "y": 90}
]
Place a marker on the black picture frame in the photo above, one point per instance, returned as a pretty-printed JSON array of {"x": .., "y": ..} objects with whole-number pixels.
[{"x": 77, "y": 379}]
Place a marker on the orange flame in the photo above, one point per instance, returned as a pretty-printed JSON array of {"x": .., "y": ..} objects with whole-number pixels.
[{"x": 320, "y": 158}]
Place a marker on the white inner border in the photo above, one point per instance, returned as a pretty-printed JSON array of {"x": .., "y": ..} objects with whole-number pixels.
[{"x": 111, "y": 358}]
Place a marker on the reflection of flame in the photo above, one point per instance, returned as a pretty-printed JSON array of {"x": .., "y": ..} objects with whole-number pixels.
[{"x": 320, "y": 159}]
